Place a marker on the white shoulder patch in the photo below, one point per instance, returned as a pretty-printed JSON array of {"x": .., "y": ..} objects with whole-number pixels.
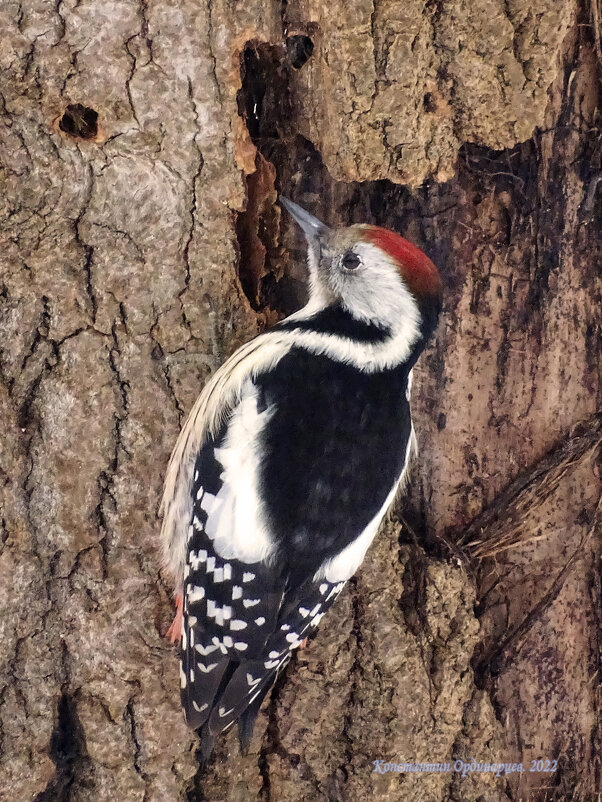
[{"x": 236, "y": 523}]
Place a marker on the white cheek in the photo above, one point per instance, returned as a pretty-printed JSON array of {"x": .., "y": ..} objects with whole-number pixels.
[{"x": 377, "y": 292}]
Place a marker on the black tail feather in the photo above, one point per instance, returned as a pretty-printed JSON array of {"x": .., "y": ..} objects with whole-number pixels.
[
  {"x": 246, "y": 722},
  {"x": 206, "y": 744}
]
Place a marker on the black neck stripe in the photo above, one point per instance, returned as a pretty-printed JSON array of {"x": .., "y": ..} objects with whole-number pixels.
[{"x": 336, "y": 320}]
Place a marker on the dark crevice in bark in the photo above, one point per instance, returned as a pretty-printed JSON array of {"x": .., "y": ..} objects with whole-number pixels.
[
  {"x": 159, "y": 356},
  {"x": 193, "y": 208},
  {"x": 265, "y": 104},
  {"x": 129, "y": 712},
  {"x": 68, "y": 752}
]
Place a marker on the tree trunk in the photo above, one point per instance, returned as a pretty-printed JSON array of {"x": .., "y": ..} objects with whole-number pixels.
[{"x": 141, "y": 147}]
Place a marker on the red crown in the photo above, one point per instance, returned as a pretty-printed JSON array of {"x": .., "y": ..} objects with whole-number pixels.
[{"x": 416, "y": 269}]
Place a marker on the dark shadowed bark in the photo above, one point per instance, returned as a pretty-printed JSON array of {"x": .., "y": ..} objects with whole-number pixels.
[{"x": 142, "y": 146}]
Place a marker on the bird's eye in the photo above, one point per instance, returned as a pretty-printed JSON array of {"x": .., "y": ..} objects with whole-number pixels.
[{"x": 351, "y": 261}]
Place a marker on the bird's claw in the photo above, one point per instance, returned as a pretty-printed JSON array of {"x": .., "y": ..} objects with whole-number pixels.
[{"x": 174, "y": 633}]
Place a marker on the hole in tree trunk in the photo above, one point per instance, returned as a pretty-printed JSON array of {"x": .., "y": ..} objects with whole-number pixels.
[
  {"x": 79, "y": 121},
  {"x": 299, "y": 49}
]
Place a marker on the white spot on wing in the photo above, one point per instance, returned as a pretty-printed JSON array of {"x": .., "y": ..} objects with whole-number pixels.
[
  {"x": 207, "y": 503},
  {"x": 259, "y": 621},
  {"x": 248, "y": 576},
  {"x": 250, "y": 602},
  {"x": 236, "y": 624},
  {"x": 195, "y": 593},
  {"x": 206, "y": 669},
  {"x": 241, "y": 646},
  {"x": 197, "y": 558},
  {"x": 205, "y": 650},
  {"x": 236, "y": 592},
  {"x": 334, "y": 591}
]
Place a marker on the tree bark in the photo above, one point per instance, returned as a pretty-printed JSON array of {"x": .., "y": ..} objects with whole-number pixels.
[{"x": 142, "y": 145}]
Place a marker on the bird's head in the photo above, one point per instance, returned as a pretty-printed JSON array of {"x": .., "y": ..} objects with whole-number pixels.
[{"x": 375, "y": 274}]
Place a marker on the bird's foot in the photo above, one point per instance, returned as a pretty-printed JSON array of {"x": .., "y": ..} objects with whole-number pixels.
[
  {"x": 174, "y": 633},
  {"x": 303, "y": 643}
]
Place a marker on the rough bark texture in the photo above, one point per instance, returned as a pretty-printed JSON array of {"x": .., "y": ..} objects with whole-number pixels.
[{"x": 141, "y": 145}]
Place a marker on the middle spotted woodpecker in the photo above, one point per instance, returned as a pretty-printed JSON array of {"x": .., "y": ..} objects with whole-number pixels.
[{"x": 286, "y": 465}]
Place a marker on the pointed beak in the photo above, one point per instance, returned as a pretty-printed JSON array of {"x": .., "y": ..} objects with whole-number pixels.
[{"x": 311, "y": 226}]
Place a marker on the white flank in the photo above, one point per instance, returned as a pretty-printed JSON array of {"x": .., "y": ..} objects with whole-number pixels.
[{"x": 236, "y": 525}]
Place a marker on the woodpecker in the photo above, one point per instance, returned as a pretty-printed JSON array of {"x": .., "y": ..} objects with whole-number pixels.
[{"x": 287, "y": 464}]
